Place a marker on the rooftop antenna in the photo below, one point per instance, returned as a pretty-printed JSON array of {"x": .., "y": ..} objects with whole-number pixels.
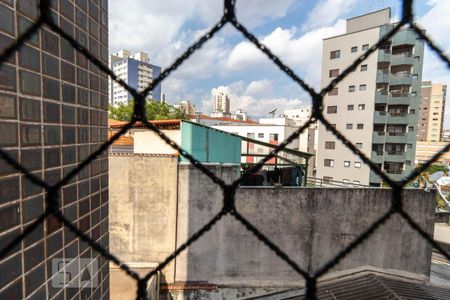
[{"x": 272, "y": 112}]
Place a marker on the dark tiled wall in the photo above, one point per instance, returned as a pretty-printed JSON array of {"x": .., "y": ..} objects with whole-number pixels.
[{"x": 53, "y": 114}]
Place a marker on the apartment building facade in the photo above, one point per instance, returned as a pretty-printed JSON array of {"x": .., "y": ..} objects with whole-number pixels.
[
  {"x": 431, "y": 111},
  {"x": 221, "y": 102},
  {"x": 376, "y": 107},
  {"x": 53, "y": 114},
  {"x": 137, "y": 71}
]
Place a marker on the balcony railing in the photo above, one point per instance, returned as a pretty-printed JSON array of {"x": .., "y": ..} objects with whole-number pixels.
[
  {"x": 393, "y": 171},
  {"x": 402, "y": 59},
  {"x": 400, "y": 79},
  {"x": 397, "y": 152},
  {"x": 397, "y": 133},
  {"x": 398, "y": 115},
  {"x": 380, "y": 133}
]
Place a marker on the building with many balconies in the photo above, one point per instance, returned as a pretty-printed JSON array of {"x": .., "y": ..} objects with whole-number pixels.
[{"x": 375, "y": 106}]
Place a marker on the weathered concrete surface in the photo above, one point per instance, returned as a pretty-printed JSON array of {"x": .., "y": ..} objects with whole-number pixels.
[
  {"x": 150, "y": 218},
  {"x": 310, "y": 225},
  {"x": 143, "y": 207}
]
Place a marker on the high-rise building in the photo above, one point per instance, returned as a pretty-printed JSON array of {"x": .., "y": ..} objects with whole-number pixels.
[
  {"x": 53, "y": 114},
  {"x": 221, "y": 102},
  {"x": 377, "y": 106},
  {"x": 431, "y": 111},
  {"x": 186, "y": 107},
  {"x": 137, "y": 71}
]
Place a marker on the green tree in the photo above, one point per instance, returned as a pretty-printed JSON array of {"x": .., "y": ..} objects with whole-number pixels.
[{"x": 155, "y": 111}]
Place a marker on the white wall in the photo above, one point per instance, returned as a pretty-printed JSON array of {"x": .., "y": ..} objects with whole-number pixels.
[{"x": 149, "y": 142}]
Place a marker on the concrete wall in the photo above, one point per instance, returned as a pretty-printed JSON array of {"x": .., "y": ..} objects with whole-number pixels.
[
  {"x": 143, "y": 193},
  {"x": 150, "y": 218},
  {"x": 310, "y": 225}
]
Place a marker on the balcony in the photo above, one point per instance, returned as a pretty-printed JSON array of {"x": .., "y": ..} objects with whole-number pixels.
[
  {"x": 395, "y": 156},
  {"x": 384, "y": 56},
  {"x": 400, "y": 79},
  {"x": 398, "y": 119},
  {"x": 399, "y": 98},
  {"x": 402, "y": 59},
  {"x": 400, "y": 138},
  {"x": 404, "y": 37},
  {"x": 381, "y": 96},
  {"x": 378, "y": 137},
  {"x": 382, "y": 76},
  {"x": 380, "y": 117}
]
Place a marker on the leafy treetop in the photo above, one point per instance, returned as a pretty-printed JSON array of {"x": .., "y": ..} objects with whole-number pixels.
[{"x": 155, "y": 111}]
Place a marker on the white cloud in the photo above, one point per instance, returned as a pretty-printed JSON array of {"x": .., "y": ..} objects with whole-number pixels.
[
  {"x": 260, "y": 88},
  {"x": 326, "y": 12},
  {"x": 304, "y": 53}
]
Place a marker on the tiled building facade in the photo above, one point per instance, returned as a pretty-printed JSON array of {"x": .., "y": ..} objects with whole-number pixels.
[{"x": 53, "y": 114}]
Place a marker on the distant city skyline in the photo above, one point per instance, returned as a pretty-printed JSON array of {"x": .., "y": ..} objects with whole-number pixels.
[{"x": 228, "y": 60}]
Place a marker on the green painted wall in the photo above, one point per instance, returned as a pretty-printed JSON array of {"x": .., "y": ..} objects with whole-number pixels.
[{"x": 208, "y": 145}]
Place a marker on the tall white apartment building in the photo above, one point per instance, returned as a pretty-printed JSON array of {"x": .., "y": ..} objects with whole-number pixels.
[
  {"x": 186, "y": 107},
  {"x": 136, "y": 70},
  {"x": 376, "y": 106},
  {"x": 221, "y": 102}
]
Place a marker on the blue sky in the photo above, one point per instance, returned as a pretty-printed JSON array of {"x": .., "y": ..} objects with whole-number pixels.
[{"x": 293, "y": 29}]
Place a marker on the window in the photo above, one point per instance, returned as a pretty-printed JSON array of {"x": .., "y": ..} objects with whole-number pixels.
[
  {"x": 417, "y": 58},
  {"x": 261, "y": 135},
  {"x": 251, "y": 135},
  {"x": 415, "y": 76},
  {"x": 407, "y": 162},
  {"x": 333, "y": 92},
  {"x": 363, "y": 68},
  {"x": 357, "y": 164},
  {"x": 335, "y": 54},
  {"x": 347, "y": 163},
  {"x": 334, "y": 72},
  {"x": 362, "y": 87},
  {"x": 354, "y": 49},
  {"x": 365, "y": 47},
  {"x": 351, "y": 88},
  {"x": 361, "y": 106},
  {"x": 414, "y": 94},
  {"x": 350, "y": 107},
  {"x": 349, "y": 126},
  {"x": 329, "y": 145},
  {"x": 273, "y": 137},
  {"x": 328, "y": 162},
  {"x": 410, "y": 128},
  {"x": 359, "y": 145},
  {"x": 412, "y": 111},
  {"x": 360, "y": 126},
  {"x": 332, "y": 109}
]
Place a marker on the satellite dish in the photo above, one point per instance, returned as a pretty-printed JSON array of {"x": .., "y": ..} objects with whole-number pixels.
[
  {"x": 272, "y": 112},
  {"x": 436, "y": 176}
]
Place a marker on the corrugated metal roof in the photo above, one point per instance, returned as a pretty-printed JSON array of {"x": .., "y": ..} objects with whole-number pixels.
[{"x": 373, "y": 287}]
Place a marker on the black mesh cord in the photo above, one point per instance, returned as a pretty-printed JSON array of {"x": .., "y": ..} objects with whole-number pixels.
[{"x": 229, "y": 191}]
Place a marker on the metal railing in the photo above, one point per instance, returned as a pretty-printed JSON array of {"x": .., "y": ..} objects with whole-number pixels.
[{"x": 229, "y": 190}]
